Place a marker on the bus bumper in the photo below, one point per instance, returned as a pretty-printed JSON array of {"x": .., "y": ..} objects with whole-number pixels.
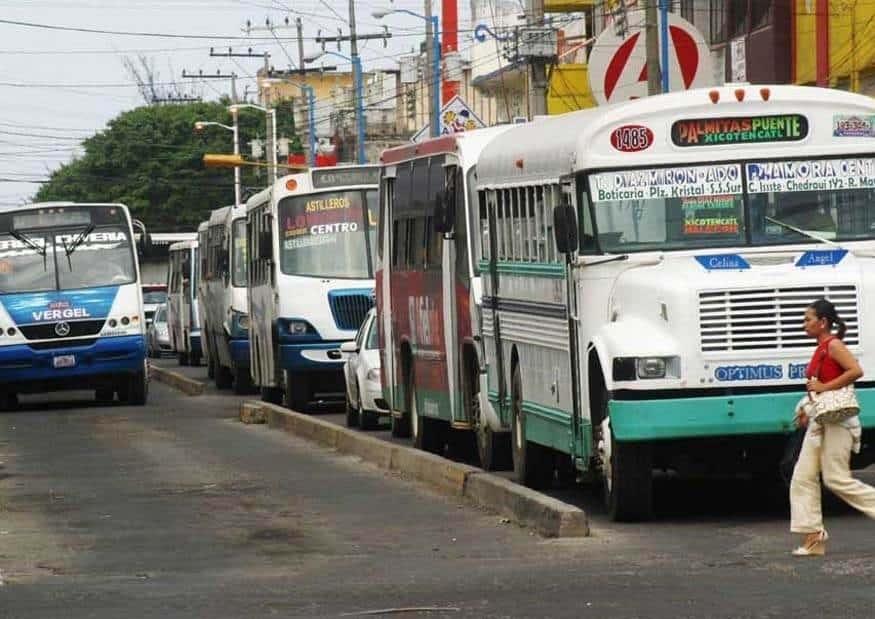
[
  {"x": 22, "y": 367},
  {"x": 310, "y": 357},
  {"x": 240, "y": 352},
  {"x": 672, "y": 418}
]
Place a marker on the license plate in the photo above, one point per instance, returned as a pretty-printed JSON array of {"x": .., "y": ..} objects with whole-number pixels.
[{"x": 65, "y": 361}]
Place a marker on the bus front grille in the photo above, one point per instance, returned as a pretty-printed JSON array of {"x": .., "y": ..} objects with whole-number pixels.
[
  {"x": 769, "y": 319},
  {"x": 78, "y": 328},
  {"x": 349, "y": 307}
]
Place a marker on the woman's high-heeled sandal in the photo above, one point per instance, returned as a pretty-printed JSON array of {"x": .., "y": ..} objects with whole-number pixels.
[{"x": 814, "y": 545}]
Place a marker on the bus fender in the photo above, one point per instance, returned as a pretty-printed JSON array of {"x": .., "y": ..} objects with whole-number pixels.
[{"x": 632, "y": 337}]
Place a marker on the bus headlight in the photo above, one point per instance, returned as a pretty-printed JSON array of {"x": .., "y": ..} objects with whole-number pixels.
[
  {"x": 646, "y": 368},
  {"x": 651, "y": 367},
  {"x": 296, "y": 329}
]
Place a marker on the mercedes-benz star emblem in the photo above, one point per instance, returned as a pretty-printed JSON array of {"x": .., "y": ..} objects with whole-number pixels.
[{"x": 62, "y": 329}]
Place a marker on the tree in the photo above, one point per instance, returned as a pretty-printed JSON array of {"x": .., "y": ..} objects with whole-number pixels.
[{"x": 150, "y": 159}]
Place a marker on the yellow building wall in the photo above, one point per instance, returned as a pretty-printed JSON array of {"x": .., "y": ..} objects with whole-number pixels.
[
  {"x": 569, "y": 89},
  {"x": 851, "y": 41},
  {"x": 322, "y": 84},
  {"x": 567, "y": 6}
]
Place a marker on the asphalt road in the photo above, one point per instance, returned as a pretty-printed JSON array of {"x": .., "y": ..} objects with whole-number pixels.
[{"x": 177, "y": 510}]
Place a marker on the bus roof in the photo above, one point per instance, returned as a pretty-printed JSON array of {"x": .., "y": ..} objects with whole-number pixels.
[
  {"x": 218, "y": 216},
  {"x": 203, "y": 225},
  {"x": 314, "y": 180},
  {"x": 468, "y": 145},
  {"x": 183, "y": 245},
  {"x": 552, "y": 148},
  {"x": 35, "y": 205}
]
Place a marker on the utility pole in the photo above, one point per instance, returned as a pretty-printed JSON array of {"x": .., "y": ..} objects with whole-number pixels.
[
  {"x": 429, "y": 55},
  {"x": 360, "y": 87},
  {"x": 651, "y": 42},
  {"x": 299, "y": 25},
  {"x": 538, "y": 64}
]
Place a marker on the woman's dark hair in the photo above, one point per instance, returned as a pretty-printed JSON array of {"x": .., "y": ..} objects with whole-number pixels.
[{"x": 825, "y": 309}]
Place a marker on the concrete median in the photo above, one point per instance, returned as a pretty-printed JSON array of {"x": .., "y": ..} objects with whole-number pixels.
[
  {"x": 546, "y": 515},
  {"x": 186, "y": 385}
]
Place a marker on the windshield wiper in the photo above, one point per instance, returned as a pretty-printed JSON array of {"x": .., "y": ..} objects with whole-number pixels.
[
  {"x": 810, "y": 235},
  {"x": 23, "y": 238},
  {"x": 78, "y": 240},
  {"x": 69, "y": 249}
]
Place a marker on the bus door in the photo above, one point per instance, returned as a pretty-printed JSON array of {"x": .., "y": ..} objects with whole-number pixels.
[
  {"x": 456, "y": 286},
  {"x": 388, "y": 266},
  {"x": 492, "y": 280},
  {"x": 432, "y": 314}
]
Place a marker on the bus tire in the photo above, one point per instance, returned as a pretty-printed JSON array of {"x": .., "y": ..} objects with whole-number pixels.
[
  {"x": 493, "y": 448},
  {"x": 104, "y": 396},
  {"x": 242, "y": 381},
  {"x": 272, "y": 395},
  {"x": 628, "y": 481},
  {"x": 8, "y": 402},
  {"x": 137, "y": 391},
  {"x": 400, "y": 425},
  {"x": 211, "y": 367},
  {"x": 297, "y": 390},
  {"x": 532, "y": 463},
  {"x": 223, "y": 377},
  {"x": 182, "y": 358},
  {"x": 195, "y": 359},
  {"x": 428, "y": 434}
]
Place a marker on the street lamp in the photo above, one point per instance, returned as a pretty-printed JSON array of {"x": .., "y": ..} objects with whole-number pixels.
[
  {"x": 203, "y": 124},
  {"x": 359, "y": 97},
  {"x": 435, "y": 61},
  {"x": 271, "y": 114}
]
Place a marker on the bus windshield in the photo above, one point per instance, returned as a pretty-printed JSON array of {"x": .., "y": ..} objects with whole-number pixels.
[
  {"x": 238, "y": 260},
  {"x": 67, "y": 259},
  {"x": 689, "y": 207},
  {"x": 328, "y": 234}
]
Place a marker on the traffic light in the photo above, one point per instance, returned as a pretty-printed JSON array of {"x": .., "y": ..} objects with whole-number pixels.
[{"x": 222, "y": 161}]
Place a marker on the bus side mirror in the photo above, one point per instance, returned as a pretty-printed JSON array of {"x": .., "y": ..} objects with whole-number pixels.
[
  {"x": 445, "y": 211},
  {"x": 144, "y": 240},
  {"x": 565, "y": 228}
]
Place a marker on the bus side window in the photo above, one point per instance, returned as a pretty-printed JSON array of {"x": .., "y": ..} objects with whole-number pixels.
[{"x": 587, "y": 230}]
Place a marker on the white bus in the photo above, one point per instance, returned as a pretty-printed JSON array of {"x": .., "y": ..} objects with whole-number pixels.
[
  {"x": 659, "y": 326},
  {"x": 311, "y": 270},
  {"x": 71, "y": 308},
  {"x": 183, "y": 320},
  {"x": 207, "y": 353},
  {"x": 223, "y": 300},
  {"x": 429, "y": 298}
]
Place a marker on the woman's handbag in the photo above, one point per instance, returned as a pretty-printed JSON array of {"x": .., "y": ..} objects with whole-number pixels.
[{"x": 835, "y": 406}]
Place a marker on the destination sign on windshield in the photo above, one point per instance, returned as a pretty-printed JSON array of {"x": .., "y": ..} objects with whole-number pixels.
[{"x": 739, "y": 130}]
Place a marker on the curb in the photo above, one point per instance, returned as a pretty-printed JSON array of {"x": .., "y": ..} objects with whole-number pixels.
[
  {"x": 548, "y": 516},
  {"x": 179, "y": 382}
]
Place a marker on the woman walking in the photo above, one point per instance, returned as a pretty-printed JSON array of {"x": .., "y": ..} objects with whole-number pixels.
[{"x": 826, "y": 449}]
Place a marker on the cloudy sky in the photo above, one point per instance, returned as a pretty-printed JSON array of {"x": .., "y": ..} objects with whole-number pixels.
[{"x": 58, "y": 86}]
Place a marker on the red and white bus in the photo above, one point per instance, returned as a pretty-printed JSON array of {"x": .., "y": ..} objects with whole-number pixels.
[{"x": 429, "y": 294}]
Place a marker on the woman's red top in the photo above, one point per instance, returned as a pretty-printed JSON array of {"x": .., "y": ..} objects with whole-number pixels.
[{"x": 822, "y": 366}]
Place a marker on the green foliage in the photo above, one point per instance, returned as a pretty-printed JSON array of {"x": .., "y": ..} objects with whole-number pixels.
[{"x": 150, "y": 159}]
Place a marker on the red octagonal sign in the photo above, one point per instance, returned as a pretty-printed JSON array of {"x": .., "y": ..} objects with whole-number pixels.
[{"x": 631, "y": 138}]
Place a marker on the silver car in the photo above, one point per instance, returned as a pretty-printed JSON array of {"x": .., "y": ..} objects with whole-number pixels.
[
  {"x": 158, "y": 334},
  {"x": 364, "y": 392}
]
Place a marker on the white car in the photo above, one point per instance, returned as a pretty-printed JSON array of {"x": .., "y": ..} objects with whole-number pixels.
[{"x": 364, "y": 391}]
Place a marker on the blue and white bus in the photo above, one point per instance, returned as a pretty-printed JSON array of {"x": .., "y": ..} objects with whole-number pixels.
[
  {"x": 71, "y": 307},
  {"x": 311, "y": 269}
]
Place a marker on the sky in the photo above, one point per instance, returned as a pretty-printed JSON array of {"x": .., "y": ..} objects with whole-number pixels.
[{"x": 58, "y": 87}]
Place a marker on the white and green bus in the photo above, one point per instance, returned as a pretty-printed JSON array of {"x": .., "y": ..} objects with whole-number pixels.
[{"x": 646, "y": 267}]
